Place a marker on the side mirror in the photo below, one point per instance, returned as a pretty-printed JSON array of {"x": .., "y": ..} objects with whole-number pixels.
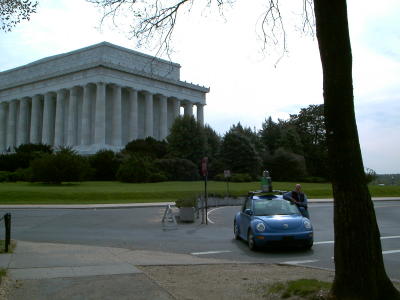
[{"x": 248, "y": 211}]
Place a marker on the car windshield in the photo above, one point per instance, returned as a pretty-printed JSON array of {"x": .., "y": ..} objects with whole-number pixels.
[{"x": 264, "y": 207}]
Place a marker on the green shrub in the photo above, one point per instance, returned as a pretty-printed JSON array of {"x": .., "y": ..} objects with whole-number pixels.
[
  {"x": 34, "y": 148},
  {"x": 63, "y": 166},
  {"x": 4, "y": 175},
  {"x": 240, "y": 177},
  {"x": 314, "y": 179},
  {"x": 22, "y": 157},
  {"x": 235, "y": 177},
  {"x": 147, "y": 147},
  {"x": 220, "y": 177},
  {"x": 177, "y": 169},
  {"x": 158, "y": 177},
  {"x": 186, "y": 202},
  {"x": 139, "y": 169},
  {"x": 105, "y": 165}
]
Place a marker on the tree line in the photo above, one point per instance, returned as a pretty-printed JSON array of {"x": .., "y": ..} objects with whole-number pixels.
[{"x": 292, "y": 149}]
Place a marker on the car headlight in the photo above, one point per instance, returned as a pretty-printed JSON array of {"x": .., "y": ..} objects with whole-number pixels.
[
  {"x": 260, "y": 227},
  {"x": 307, "y": 224}
]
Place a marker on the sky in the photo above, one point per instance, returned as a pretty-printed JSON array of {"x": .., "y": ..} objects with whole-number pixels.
[{"x": 247, "y": 84}]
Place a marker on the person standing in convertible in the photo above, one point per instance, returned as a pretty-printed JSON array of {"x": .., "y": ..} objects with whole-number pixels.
[{"x": 299, "y": 198}]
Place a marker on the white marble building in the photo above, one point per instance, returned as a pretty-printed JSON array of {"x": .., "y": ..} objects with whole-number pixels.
[{"x": 98, "y": 97}]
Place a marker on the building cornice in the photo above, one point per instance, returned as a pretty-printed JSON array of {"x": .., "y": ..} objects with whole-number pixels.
[{"x": 107, "y": 65}]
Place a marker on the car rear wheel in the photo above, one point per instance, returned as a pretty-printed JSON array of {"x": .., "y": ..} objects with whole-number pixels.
[
  {"x": 250, "y": 240},
  {"x": 236, "y": 231}
]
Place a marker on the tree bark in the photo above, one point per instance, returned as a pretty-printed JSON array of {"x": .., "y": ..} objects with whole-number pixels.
[{"x": 360, "y": 271}]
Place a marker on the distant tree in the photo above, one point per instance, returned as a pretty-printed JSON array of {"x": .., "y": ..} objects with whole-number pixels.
[
  {"x": 252, "y": 135},
  {"x": 270, "y": 135},
  {"x": 290, "y": 140},
  {"x": 239, "y": 155},
  {"x": 215, "y": 165},
  {"x": 310, "y": 125},
  {"x": 213, "y": 141},
  {"x": 285, "y": 166},
  {"x": 14, "y": 11},
  {"x": 370, "y": 175},
  {"x": 187, "y": 140}
]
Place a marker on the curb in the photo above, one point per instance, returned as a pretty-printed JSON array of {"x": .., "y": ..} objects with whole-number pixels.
[{"x": 142, "y": 205}]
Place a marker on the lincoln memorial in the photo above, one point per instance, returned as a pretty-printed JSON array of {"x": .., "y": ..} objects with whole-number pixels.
[{"x": 99, "y": 97}]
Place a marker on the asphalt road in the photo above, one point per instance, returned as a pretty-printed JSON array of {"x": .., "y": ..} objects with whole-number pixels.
[{"x": 141, "y": 228}]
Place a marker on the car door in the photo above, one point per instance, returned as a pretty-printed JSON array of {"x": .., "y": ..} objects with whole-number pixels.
[{"x": 245, "y": 219}]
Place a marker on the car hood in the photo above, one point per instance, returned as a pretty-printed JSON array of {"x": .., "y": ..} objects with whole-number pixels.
[{"x": 282, "y": 222}]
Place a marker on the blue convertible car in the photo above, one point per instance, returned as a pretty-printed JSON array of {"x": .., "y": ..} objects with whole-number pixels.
[{"x": 267, "y": 219}]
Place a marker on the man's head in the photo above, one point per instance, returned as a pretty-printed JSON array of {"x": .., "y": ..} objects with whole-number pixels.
[{"x": 298, "y": 187}]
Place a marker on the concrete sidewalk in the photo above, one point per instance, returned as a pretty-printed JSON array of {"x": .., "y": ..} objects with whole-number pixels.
[{"x": 63, "y": 271}]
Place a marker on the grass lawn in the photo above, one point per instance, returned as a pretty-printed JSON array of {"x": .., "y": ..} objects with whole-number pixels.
[{"x": 117, "y": 192}]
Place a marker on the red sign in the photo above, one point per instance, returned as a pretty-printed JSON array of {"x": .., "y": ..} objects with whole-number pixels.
[{"x": 204, "y": 163}]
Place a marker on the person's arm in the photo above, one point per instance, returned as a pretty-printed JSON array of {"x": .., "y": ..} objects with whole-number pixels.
[
  {"x": 288, "y": 196},
  {"x": 304, "y": 203}
]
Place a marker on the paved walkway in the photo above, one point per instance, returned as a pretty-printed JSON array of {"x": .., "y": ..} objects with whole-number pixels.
[{"x": 63, "y": 271}]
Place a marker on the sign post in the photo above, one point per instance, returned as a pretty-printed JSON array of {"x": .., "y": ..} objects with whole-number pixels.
[
  {"x": 204, "y": 172},
  {"x": 227, "y": 175}
]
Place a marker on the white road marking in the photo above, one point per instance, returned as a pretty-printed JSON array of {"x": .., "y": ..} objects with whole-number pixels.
[
  {"x": 382, "y": 238},
  {"x": 390, "y": 237},
  {"x": 384, "y": 252},
  {"x": 210, "y": 252},
  {"x": 297, "y": 262},
  {"x": 324, "y": 242},
  {"x": 210, "y": 211},
  {"x": 390, "y": 251}
]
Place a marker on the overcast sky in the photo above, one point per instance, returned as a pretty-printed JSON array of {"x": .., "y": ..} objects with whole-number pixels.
[{"x": 225, "y": 54}]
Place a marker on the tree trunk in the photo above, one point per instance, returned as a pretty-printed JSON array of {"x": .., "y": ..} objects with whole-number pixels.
[{"x": 360, "y": 272}]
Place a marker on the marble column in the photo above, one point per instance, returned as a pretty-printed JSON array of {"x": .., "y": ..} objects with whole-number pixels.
[
  {"x": 116, "y": 135},
  {"x": 48, "y": 120},
  {"x": 177, "y": 108},
  {"x": 163, "y": 117},
  {"x": 3, "y": 124},
  {"x": 60, "y": 114},
  {"x": 36, "y": 120},
  {"x": 86, "y": 113},
  {"x": 72, "y": 117},
  {"x": 148, "y": 126},
  {"x": 100, "y": 114},
  {"x": 11, "y": 124},
  {"x": 23, "y": 129},
  {"x": 133, "y": 115},
  {"x": 200, "y": 113},
  {"x": 188, "y": 106}
]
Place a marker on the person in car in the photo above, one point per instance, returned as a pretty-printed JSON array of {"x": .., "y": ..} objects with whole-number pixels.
[{"x": 299, "y": 198}]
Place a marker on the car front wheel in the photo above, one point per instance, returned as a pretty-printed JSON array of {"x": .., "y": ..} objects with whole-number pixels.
[
  {"x": 308, "y": 245},
  {"x": 250, "y": 240},
  {"x": 236, "y": 231}
]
